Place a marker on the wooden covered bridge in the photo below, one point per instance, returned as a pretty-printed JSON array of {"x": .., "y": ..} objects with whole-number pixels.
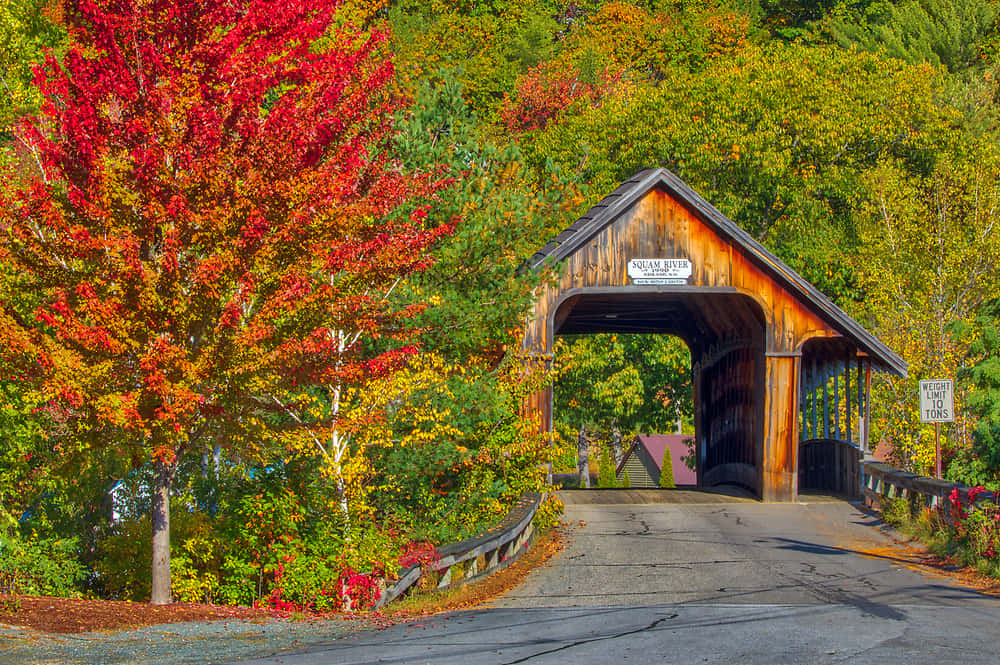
[{"x": 781, "y": 375}]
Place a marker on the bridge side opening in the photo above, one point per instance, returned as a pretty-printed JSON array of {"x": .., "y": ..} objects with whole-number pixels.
[{"x": 834, "y": 386}]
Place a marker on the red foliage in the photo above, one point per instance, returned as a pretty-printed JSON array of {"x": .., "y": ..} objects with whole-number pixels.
[
  {"x": 353, "y": 591},
  {"x": 976, "y": 492},
  {"x": 422, "y": 553},
  {"x": 544, "y": 92},
  {"x": 275, "y": 602},
  {"x": 216, "y": 204},
  {"x": 957, "y": 509},
  {"x": 359, "y": 591}
]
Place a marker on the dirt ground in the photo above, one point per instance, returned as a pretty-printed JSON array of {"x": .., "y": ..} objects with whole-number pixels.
[{"x": 69, "y": 615}]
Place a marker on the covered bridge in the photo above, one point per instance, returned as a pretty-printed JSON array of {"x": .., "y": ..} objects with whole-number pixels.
[{"x": 776, "y": 366}]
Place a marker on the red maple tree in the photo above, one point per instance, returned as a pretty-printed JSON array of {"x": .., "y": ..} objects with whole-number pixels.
[{"x": 216, "y": 220}]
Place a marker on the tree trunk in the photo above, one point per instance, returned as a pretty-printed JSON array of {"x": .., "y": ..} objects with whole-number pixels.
[
  {"x": 162, "y": 480},
  {"x": 616, "y": 443}
]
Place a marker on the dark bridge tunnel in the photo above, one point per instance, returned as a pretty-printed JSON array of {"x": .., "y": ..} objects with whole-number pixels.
[{"x": 725, "y": 334}]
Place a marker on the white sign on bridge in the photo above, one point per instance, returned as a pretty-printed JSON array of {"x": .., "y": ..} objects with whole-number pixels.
[
  {"x": 937, "y": 403},
  {"x": 659, "y": 271}
]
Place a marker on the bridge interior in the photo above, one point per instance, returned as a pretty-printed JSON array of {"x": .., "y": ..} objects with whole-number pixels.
[{"x": 725, "y": 334}]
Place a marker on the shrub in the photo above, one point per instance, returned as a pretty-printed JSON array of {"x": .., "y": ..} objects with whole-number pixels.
[
  {"x": 976, "y": 534},
  {"x": 548, "y": 513},
  {"x": 240, "y": 581},
  {"x": 895, "y": 511},
  {"x": 196, "y": 566},
  {"x": 43, "y": 567}
]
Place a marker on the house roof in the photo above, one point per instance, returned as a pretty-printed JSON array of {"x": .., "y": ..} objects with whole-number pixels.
[
  {"x": 629, "y": 192},
  {"x": 656, "y": 445}
]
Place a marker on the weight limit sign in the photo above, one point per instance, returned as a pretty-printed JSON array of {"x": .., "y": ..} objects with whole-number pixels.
[{"x": 937, "y": 404}]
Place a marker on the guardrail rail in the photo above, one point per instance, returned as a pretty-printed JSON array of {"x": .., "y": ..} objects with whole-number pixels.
[
  {"x": 884, "y": 481},
  {"x": 473, "y": 558}
]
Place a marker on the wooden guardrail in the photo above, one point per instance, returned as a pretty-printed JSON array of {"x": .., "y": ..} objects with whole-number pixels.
[
  {"x": 830, "y": 464},
  {"x": 467, "y": 560},
  {"x": 883, "y": 481}
]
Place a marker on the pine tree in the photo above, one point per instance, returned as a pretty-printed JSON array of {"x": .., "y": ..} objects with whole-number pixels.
[
  {"x": 942, "y": 32},
  {"x": 606, "y": 473},
  {"x": 667, "y": 470}
]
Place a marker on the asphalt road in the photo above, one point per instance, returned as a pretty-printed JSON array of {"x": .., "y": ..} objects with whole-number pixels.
[{"x": 705, "y": 579}]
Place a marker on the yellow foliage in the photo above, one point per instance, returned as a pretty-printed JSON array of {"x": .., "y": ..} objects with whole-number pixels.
[
  {"x": 363, "y": 12},
  {"x": 930, "y": 247},
  {"x": 728, "y": 32}
]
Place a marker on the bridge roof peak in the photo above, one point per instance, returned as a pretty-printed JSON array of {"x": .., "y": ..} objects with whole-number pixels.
[{"x": 625, "y": 196}]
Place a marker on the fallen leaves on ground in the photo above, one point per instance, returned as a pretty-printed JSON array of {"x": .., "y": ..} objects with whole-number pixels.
[
  {"x": 911, "y": 554},
  {"x": 73, "y": 615}
]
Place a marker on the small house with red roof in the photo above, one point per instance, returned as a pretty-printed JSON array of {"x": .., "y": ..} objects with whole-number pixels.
[{"x": 644, "y": 459}]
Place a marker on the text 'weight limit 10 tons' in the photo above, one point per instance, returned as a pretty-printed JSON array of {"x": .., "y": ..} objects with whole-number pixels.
[{"x": 936, "y": 401}]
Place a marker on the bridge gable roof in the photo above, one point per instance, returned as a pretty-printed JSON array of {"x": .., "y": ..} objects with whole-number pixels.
[{"x": 622, "y": 199}]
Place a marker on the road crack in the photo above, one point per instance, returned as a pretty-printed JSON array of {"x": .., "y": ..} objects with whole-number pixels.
[
  {"x": 602, "y": 638},
  {"x": 634, "y": 517}
]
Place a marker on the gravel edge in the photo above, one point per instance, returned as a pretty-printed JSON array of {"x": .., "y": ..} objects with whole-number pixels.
[{"x": 188, "y": 643}]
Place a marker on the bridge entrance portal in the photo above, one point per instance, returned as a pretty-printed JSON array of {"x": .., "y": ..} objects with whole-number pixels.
[
  {"x": 724, "y": 332},
  {"x": 772, "y": 357}
]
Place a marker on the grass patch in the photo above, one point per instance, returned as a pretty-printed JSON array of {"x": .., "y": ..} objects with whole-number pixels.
[{"x": 970, "y": 540}]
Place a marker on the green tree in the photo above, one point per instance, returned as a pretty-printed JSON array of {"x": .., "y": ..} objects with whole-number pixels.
[
  {"x": 980, "y": 463},
  {"x": 667, "y": 470},
  {"x": 950, "y": 33},
  {"x": 926, "y": 261},
  {"x": 960, "y": 36},
  {"x": 792, "y": 19},
  {"x": 477, "y": 295},
  {"x": 606, "y": 469},
  {"x": 778, "y": 137},
  {"x": 642, "y": 381}
]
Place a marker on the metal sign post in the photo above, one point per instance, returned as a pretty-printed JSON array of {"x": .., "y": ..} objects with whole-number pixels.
[{"x": 937, "y": 405}]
